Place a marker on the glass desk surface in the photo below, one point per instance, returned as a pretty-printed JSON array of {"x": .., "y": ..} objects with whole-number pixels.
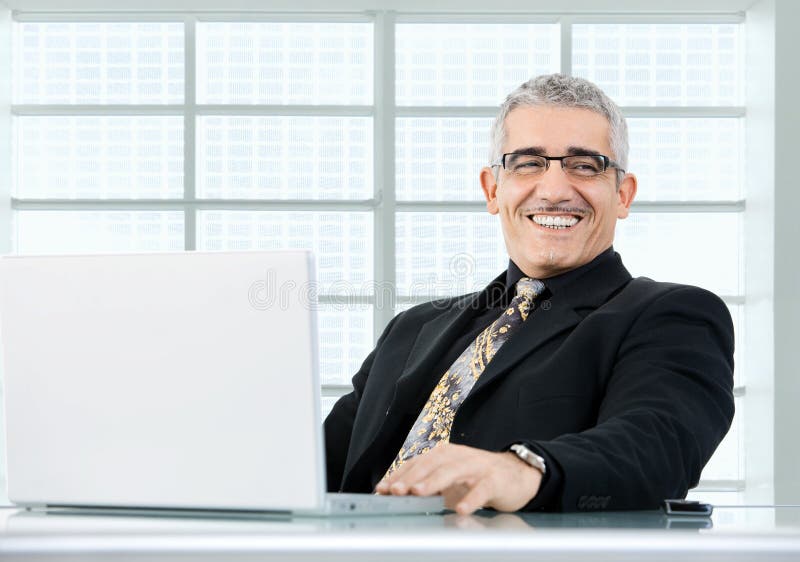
[{"x": 731, "y": 533}]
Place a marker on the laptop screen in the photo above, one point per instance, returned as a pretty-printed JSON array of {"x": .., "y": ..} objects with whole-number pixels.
[{"x": 165, "y": 380}]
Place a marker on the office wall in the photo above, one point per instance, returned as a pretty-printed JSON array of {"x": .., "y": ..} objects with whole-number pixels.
[
  {"x": 405, "y": 5},
  {"x": 787, "y": 254},
  {"x": 759, "y": 357},
  {"x": 772, "y": 438},
  {"x": 5, "y": 189}
]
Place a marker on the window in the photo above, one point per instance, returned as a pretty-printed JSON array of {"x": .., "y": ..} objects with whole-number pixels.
[{"x": 361, "y": 136}]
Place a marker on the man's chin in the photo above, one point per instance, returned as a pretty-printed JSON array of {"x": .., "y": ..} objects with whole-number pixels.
[{"x": 547, "y": 264}]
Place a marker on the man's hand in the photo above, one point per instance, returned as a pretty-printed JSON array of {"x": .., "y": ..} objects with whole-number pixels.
[{"x": 468, "y": 478}]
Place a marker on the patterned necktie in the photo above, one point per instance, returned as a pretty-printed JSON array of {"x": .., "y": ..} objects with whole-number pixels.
[{"x": 434, "y": 422}]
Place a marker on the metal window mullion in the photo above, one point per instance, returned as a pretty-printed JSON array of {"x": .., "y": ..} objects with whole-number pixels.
[
  {"x": 353, "y": 16},
  {"x": 384, "y": 168},
  {"x": 199, "y": 204},
  {"x": 550, "y": 16},
  {"x": 689, "y": 206},
  {"x": 99, "y": 17},
  {"x": 286, "y": 110},
  {"x": 669, "y": 112},
  {"x": 720, "y": 486},
  {"x": 661, "y": 19},
  {"x": 36, "y": 110},
  {"x": 348, "y": 110},
  {"x": 267, "y": 16},
  {"x": 189, "y": 136},
  {"x": 440, "y": 206},
  {"x": 126, "y": 16},
  {"x": 178, "y": 109},
  {"x": 686, "y": 111},
  {"x": 333, "y": 390},
  {"x": 507, "y": 17},
  {"x": 566, "y": 46},
  {"x": 445, "y": 111}
]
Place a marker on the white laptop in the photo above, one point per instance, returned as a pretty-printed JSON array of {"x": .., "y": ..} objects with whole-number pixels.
[{"x": 168, "y": 381}]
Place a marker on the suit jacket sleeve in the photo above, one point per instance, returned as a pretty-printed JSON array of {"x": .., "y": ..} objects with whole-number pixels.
[
  {"x": 667, "y": 404},
  {"x": 338, "y": 427}
]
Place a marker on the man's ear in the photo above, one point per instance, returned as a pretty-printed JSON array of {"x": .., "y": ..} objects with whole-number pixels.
[
  {"x": 626, "y": 192},
  {"x": 489, "y": 186}
]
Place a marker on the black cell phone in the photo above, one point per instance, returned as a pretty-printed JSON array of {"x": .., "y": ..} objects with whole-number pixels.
[{"x": 688, "y": 507}]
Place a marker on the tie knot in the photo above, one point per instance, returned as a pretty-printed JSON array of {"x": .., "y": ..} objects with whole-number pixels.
[{"x": 529, "y": 289}]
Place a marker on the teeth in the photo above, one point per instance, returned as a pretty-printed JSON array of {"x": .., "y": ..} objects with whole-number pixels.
[{"x": 558, "y": 222}]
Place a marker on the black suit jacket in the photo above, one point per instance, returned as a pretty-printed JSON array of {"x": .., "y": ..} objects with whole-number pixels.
[{"x": 625, "y": 385}]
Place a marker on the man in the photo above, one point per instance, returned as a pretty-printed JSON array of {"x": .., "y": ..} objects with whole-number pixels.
[{"x": 565, "y": 384}]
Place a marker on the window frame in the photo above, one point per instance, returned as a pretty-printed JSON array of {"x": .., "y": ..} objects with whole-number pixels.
[{"x": 383, "y": 204}]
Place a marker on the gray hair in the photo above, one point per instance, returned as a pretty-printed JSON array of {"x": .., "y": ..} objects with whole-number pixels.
[{"x": 563, "y": 91}]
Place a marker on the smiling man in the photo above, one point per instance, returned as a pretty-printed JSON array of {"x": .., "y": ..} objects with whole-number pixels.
[{"x": 565, "y": 384}]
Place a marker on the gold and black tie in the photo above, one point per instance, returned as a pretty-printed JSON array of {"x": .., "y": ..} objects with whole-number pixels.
[{"x": 434, "y": 422}]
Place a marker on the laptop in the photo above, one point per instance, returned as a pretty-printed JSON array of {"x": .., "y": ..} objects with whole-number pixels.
[{"x": 182, "y": 381}]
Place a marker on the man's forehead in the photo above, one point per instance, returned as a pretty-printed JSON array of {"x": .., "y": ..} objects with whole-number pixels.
[{"x": 555, "y": 126}]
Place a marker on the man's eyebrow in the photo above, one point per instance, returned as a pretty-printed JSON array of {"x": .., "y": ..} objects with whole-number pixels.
[
  {"x": 581, "y": 150},
  {"x": 571, "y": 151},
  {"x": 531, "y": 150}
]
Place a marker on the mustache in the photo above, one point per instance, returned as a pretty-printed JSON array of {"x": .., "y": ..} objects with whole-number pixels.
[{"x": 580, "y": 211}]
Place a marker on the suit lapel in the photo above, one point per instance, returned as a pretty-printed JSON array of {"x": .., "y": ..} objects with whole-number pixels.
[
  {"x": 434, "y": 339},
  {"x": 554, "y": 316}
]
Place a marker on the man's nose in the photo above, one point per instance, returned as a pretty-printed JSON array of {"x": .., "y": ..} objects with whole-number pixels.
[{"x": 554, "y": 185}]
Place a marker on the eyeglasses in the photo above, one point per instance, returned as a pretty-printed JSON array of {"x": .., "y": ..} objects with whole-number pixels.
[{"x": 578, "y": 165}]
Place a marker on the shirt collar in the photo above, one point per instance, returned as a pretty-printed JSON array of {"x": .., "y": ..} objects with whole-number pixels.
[{"x": 556, "y": 282}]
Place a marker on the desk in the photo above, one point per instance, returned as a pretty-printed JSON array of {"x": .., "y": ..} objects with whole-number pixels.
[{"x": 731, "y": 534}]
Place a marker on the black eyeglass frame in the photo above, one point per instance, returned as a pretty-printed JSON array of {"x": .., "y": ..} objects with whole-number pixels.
[{"x": 607, "y": 162}]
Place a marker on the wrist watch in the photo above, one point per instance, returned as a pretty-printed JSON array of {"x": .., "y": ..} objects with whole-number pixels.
[{"x": 529, "y": 457}]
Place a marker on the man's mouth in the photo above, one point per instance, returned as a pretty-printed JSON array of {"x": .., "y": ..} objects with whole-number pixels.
[{"x": 555, "y": 222}]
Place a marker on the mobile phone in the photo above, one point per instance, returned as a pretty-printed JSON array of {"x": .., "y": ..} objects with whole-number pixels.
[{"x": 688, "y": 507}]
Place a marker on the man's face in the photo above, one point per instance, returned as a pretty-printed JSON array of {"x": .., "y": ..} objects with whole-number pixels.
[{"x": 523, "y": 202}]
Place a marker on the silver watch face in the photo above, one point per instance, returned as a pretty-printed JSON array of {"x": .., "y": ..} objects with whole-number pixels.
[{"x": 529, "y": 457}]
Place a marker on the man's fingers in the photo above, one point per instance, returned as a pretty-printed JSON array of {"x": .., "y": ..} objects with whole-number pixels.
[
  {"x": 413, "y": 480},
  {"x": 467, "y": 478},
  {"x": 476, "y": 498},
  {"x": 383, "y": 487},
  {"x": 412, "y": 471},
  {"x": 439, "y": 478},
  {"x": 453, "y": 494}
]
